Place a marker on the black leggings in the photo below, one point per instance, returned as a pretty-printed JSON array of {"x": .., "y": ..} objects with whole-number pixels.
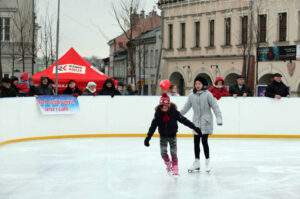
[{"x": 197, "y": 146}]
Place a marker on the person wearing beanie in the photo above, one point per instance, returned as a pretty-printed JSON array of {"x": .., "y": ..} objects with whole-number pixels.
[
  {"x": 277, "y": 89},
  {"x": 23, "y": 85},
  {"x": 90, "y": 89},
  {"x": 109, "y": 88},
  {"x": 202, "y": 101},
  {"x": 165, "y": 118},
  {"x": 72, "y": 89},
  {"x": 14, "y": 81},
  {"x": 218, "y": 89},
  {"x": 33, "y": 91},
  {"x": 5, "y": 88}
]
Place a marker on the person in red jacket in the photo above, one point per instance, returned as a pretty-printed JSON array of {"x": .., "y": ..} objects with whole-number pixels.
[
  {"x": 24, "y": 86},
  {"x": 218, "y": 89}
]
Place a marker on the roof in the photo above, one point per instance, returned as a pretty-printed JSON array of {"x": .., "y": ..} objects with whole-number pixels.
[{"x": 148, "y": 34}]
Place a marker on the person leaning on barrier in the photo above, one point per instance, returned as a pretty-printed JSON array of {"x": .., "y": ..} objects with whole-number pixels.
[
  {"x": 131, "y": 90},
  {"x": 109, "y": 88},
  {"x": 277, "y": 88},
  {"x": 173, "y": 91},
  {"x": 240, "y": 88},
  {"x": 33, "y": 90},
  {"x": 6, "y": 90},
  {"x": 44, "y": 88},
  {"x": 14, "y": 81},
  {"x": 72, "y": 89},
  {"x": 90, "y": 89}
]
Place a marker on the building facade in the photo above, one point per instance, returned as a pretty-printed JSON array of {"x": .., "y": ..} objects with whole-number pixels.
[
  {"x": 18, "y": 36},
  {"x": 213, "y": 38}
]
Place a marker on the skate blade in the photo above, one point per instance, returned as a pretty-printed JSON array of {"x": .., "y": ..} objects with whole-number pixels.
[{"x": 194, "y": 171}]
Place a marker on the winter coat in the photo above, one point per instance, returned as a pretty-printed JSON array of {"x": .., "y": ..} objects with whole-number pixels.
[
  {"x": 219, "y": 92},
  {"x": 130, "y": 91},
  {"x": 24, "y": 86},
  {"x": 235, "y": 89},
  {"x": 12, "y": 79},
  {"x": 7, "y": 92},
  {"x": 86, "y": 91},
  {"x": 202, "y": 102},
  {"x": 69, "y": 91},
  {"x": 33, "y": 90},
  {"x": 112, "y": 91},
  {"x": 170, "y": 128},
  {"x": 44, "y": 89},
  {"x": 276, "y": 88}
]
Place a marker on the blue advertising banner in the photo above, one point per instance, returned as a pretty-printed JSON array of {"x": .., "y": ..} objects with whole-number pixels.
[{"x": 58, "y": 104}]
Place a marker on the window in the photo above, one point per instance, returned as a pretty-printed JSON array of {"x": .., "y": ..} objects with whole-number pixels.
[
  {"x": 227, "y": 31},
  {"x": 4, "y": 29},
  {"x": 197, "y": 34},
  {"x": 156, "y": 58},
  {"x": 182, "y": 35},
  {"x": 282, "y": 26},
  {"x": 151, "y": 58},
  {"x": 262, "y": 28},
  {"x": 170, "y": 27},
  {"x": 212, "y": 33},
  {"x": 244, "y": 29}
]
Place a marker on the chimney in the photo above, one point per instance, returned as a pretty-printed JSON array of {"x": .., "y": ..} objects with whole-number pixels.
[{"x": 142, "y": 14}]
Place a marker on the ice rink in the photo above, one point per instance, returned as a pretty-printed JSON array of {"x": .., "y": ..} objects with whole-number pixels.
[{"x": 117, "y": 168}]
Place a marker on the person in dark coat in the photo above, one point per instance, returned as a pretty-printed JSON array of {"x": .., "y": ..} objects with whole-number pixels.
[
  {"x": 166, "y": 118},
  {"x": 240, "y": 88},
  {"x": 6, "y": 90},
  {"x": 14, "y": 81},
  {"x": 72, "y": 89},
  {"x": 33, "y": 90},
  {"x": 109, "y": 88},
  {"x": 44, "y": 88},
  {"x": 131, "y": 90},
  {"x": 277, "y": 88}
]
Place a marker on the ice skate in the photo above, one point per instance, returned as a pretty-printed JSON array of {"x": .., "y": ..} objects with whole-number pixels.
[
  {"x": 175, "y": 170},
  {"x": 207, "y": 164},
  {"x": 169, "y": 168},
  {"x": 195, "y": 167}
]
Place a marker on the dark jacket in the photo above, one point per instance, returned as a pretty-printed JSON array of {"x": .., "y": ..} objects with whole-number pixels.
[
  {"x": 130, "y": 91},
  {"x": 234, "y": 89},
  {"x": 170, "y": 128},
  {"x": 33, "y": 91},
  {"x": 75, "y": 91},
  {"x": 7, "y": 92},
  {"x": 112, "y": 91},
  {"x": 44, "y": 89},
  {"x": 12, "y": 79},
  {"x": 276, "y": 88}
]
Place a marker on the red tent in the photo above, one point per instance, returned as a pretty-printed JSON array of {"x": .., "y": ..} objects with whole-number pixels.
[{"x": 72, "y": 66}]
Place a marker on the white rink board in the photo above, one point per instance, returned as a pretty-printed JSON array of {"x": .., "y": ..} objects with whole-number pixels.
[{"x": 22, "y": 118}]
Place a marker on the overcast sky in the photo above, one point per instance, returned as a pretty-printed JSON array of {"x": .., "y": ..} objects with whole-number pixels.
[{"x": 79, "y": 24}]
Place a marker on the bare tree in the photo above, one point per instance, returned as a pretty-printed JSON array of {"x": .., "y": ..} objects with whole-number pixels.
[
  {"x": 23, "y": 26},
  {"x": 1, "y": 46},
  {"x": 125, "y": 13}
]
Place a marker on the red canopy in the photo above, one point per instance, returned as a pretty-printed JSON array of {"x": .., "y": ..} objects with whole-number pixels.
[{"x": 72, "y": 66}]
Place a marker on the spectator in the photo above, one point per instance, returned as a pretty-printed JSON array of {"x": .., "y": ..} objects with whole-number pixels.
[
  {"x": 14, "y": 83},
  {"x": 277, "y": 88},
  {"x": 131, "y": 90},
  {"x": 6, "y": 90},
  {"x": 218, "y": 89},
  {"x": 109, "y": 88},
  {"x": 240, "y": 88},
  {"x": 90, "y": 89},
  {"x": 23, "y": 86},
  {"x": 33, "y": 90},
  {"x": 51, "y": 85},
  {"x": 173, "y": 91},
  {"x": 44, "y": 88},
  {"x": 72, "y": 89}
]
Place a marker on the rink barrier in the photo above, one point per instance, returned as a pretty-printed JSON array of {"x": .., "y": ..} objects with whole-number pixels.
[
  {"x": 144, "y": 135},
  {"x": 128, "y": 116}
]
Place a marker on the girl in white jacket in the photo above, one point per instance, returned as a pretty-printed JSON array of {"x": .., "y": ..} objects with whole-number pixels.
[{"x": 202, "y": 101}]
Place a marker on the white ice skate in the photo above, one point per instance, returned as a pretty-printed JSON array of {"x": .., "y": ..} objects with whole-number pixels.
[
  {"x": 195, "y": 167},
  {"x": 207, "y": 164}
]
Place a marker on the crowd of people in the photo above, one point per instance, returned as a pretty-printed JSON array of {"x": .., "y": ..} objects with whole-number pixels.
[{"x": 14, "y": 87}]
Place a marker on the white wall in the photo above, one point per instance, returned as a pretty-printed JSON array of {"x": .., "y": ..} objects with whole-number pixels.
[{"x": 22, "y": 118}]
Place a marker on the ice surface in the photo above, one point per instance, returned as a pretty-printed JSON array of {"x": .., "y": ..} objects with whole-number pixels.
[{"x": 118, "y": 168}]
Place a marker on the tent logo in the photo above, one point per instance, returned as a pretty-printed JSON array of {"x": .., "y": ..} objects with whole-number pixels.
[{"x": 70, "y": 68}]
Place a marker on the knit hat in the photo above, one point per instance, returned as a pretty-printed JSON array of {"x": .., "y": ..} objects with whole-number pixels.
[
  {"x": 91, "y": 84},
  {"x": 277, "y": 75},
  {"x": 165, "y": 100},
  {"x": 202, "y": 80},
  {"x": 5, "y": 80}
]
